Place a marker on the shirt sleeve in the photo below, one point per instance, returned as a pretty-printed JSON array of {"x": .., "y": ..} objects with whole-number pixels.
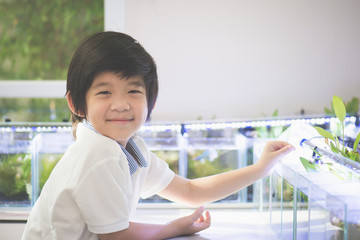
[
  {"x": 103, "y": 197},
  {"x": 159, "y": 176}
]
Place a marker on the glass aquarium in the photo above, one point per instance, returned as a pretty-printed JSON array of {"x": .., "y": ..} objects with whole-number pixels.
[
  {"x": 194, "y": 151},
  {"x": 15, "y": 168},
  {"x": 212, "y": 149},
  {"x": 28, "y": 153},
  {"x": 314, "y": 193},
  {"x": 166, "y": 142},
  {"x": 48, "y": 149}
]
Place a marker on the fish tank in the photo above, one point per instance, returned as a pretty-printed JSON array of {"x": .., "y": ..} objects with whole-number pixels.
[
  {"x": 319, "y": 199},
  {"x": 15, "y": 168},
  {"x": 29, "y": 152},
  {"x": 196, "y": 150},
  {"x": 164, "y": 140},
  {"x": 214, "y": 148}
]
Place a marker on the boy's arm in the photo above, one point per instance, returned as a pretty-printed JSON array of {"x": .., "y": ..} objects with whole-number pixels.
[
  {"x": 199, "y": 191},
  {"x": 183, "y": 226}
]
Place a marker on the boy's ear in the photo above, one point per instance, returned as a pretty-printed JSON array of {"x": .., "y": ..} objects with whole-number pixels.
[
  {"x": 71, "y": 105},
  {"x": 153, "y": 106}
]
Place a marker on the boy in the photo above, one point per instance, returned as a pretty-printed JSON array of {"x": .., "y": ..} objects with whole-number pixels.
[{"x": 94, "y": 189}]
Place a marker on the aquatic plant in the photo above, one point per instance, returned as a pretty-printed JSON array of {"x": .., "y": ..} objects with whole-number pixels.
[
  {"x": 351, "y": 107},
  {"x": 270, "y": 132},
  {"x": 14, "y": 175},
  {"x": 332, "y": 140},
  {"x": 47, "y": 164}
]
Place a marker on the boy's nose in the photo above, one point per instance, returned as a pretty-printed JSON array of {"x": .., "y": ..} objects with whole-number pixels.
[{"x": 120, "y": 105}]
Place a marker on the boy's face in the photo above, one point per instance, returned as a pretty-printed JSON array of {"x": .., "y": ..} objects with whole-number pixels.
[{"x": 117, "y": 107}]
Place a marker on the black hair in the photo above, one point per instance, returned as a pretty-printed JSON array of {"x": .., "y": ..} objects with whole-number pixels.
[{"x": 109, "y": 52}]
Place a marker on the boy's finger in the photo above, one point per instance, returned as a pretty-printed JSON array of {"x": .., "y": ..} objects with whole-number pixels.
[
  {"x": 197, "y": 213},
  {"x": 285, "y": 150},
  {"x": 207, "y": 217}
]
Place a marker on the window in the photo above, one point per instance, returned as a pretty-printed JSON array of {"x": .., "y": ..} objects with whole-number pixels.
[{"x": 37, "y": 40}]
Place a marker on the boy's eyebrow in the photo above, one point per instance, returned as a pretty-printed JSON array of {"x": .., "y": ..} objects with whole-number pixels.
[
  {"x": 101, "y": 84},
  {"x": 137, "y": 83}
]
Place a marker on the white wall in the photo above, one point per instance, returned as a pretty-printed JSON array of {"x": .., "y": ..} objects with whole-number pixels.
[
  {"x": 11, "y": 231},
  {"x": 239, "y": 59}
]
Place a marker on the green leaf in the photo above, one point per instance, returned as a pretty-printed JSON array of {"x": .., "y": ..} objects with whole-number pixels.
[
  {"x": 352, "y": 155},
  {"x": 309, "y": 167},
  {"x": 347, "y": 154},
  {"x": 328, "y": 111},
  {"x": 276, "y": 113},
  {"x": 336, "y": 174},
  {"x": 339, "y": 108},
  {"x": 276, "y": 131},
  {"x": 262, "y": 131},
  {"x": 357, "y": 157},
  {"x": 356, "y": 143},
  {"x": 334, "y": 148},
  {"x": 317, "y": 152},
  {"x": 324, "y": 133},
  {"x": 352, "y": 107}
]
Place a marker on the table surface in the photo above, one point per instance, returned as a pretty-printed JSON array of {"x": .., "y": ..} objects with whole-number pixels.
[{"x": 225, "y": 223}]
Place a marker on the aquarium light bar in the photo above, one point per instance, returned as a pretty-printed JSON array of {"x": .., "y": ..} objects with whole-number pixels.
[
  {"x": 264, "y": 123},
  {"x": 161, "y": 128},
  {"x": 154, "y": 128},
  {"x": 66, "y": 127},
  {"x": 36, "y": 129}
]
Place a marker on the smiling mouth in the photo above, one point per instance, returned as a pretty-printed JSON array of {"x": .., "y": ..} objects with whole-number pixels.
[{"x": 120, "y": 121}]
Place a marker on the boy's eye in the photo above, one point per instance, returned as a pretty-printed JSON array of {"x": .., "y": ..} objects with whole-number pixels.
[
  {"x": 104, "y": 93},
  {"x": 135, "y": 91}
]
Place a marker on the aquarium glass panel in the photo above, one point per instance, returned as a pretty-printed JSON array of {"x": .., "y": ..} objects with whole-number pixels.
[
  {"x": 275, "y": 201},
  {"x": 15, "y": 168},
  {"x": 301, "y": 209},
  {"x": 50, "y": 148},
  {"x": 171, "y": 157},
  {"x": 205, "y": 162},
  {"x": 165, "y": 143}
]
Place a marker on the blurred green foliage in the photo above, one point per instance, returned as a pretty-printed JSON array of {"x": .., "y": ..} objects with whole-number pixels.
[
  {"x": 15, "y": 173},
  {"x": 37, "y": 40},
  {"x": 205, "y": 166},
  {"x": 47, "y": 163},
  {"x": 270, "y": 131},
  {"x": 352, "y": 107},
  {"x": 171, "y": 157},
  {"x": 38, "y": 37},
  {"x": 34, "y": 110}
]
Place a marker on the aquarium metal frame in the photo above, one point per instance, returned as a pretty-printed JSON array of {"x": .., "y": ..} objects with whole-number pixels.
[{"x": 350, "y": 164}]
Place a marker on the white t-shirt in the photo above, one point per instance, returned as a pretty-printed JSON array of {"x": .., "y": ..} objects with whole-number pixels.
[{"x": 91, "y": 191}]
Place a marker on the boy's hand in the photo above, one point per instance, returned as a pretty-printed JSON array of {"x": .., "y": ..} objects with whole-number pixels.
[
  {"x": 191, "y": 224},
  {"x": 272, "y": 154}
]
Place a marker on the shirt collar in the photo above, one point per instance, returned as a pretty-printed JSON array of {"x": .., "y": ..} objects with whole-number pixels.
[{"x": 132, "y": 152}]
